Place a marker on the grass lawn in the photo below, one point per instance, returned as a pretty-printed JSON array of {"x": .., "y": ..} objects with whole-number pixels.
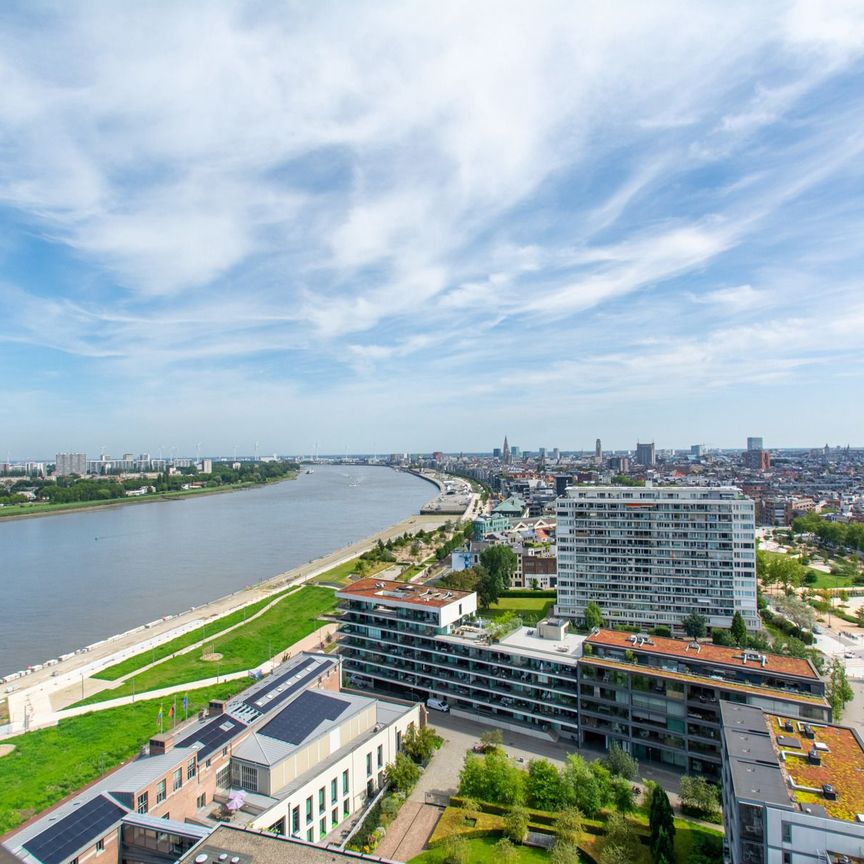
[
  {"x": 481, "y": 850},
  {"x": 688, "y": 833},
  {"x": 49, "y": 764},
  {"x": 339, "y": 574},
  {"x": 529, "y": 609},
  {"x": 827, "y": 580},
  {"x": 289, "y": 620},
  {"x": 118, "y": 670}
]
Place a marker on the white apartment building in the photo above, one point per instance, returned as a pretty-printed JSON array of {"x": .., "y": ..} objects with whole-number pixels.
[
  {"x": 70, "y": 463},
  {"x": 652, "y": 555}
]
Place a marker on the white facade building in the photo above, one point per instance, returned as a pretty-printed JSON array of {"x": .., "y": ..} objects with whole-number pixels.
[
  {"x": 70, "y": 463},
  {"x": 652, "y": 555}
]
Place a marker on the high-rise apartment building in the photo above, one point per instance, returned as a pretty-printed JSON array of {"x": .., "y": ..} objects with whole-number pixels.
[
  {"x": 754, "y": 444},
  {"x": 71, "y": 463},
  {"x": 646, "y": 455},
  {"x": 652, "y": 555}
]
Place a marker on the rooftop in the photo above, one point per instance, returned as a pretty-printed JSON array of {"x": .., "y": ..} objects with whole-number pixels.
[
  {"x": 706, "y": 652},
  {"x": 402, "y": 592},
  {"x": 253, "y": 848},
  {"x": 813, "y": 756}
]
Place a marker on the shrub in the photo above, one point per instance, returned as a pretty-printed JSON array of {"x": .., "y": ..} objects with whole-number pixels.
[
  {"x": 570, "y": 825},
  {"x": 505, "y": 852},
  {"x": 516, "y": 824},
  {"x": 620, "y": 763},
  {"x": 455, "y": 850}
]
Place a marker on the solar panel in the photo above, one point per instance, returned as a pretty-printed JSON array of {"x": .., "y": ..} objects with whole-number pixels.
[
  {"x": 285, "y": 686},
  {"x": 213, "y": 735},
  {"x": 79, "y": 829},
  {"x": 302, "y": 716}
]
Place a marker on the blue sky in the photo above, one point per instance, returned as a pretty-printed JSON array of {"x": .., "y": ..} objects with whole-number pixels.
[{"x": 416, "y": 226}]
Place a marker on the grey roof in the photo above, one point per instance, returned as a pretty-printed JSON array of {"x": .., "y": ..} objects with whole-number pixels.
[
  {"x": 271, "y": 747},
  {"x": 254, "y": 848},
  {"x": 753, "y": 764}
]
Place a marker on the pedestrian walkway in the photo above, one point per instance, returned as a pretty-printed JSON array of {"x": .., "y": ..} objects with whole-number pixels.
[{"x": 410, "y": 832}]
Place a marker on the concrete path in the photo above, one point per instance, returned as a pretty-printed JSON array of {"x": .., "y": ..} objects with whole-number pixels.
[{"x": 410, "y": 832}]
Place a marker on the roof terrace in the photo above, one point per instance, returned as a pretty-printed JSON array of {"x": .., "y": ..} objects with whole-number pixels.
[{"x": 403, "y": 592}]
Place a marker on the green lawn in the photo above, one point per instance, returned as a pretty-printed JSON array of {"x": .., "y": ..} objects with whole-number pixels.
[
  {"x": 481, "y": 850},
  {"x": 49, "y": 764},
  {"x": 827, "y": 580},
  {"x": 339, "y": 574},
  {"x": 289, "y": 620},
  {"x": 210, "y": 629},
  {"x": 689, "y": 834},
  {"x": 529, "y": 609}
]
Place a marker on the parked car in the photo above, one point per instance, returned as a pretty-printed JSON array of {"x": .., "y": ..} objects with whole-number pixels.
[{"x": 437, "y": 704}]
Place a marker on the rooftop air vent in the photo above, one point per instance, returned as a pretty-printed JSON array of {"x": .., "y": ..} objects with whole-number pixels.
[
  {"x": 813, "y": 757},
  {"x": 829, "y": 792}
]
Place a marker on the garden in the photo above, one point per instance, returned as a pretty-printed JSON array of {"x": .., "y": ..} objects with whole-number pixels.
[{"x": 580, "y": 812}]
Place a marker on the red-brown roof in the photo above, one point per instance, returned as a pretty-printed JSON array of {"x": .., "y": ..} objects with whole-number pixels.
[
  {"x": 708, "y": 653},
  {"x": 402, "y": 592}
]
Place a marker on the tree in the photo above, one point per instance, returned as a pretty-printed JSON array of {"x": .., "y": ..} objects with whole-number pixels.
[
  {"x": 501, "y": 562},
  {"x": 421, "y": 743},
  {"x": 620, "y": 763},
  {"x": 543, "y": 788},
  {"x": 516, "y": 823},
  {"x": 700, "y": 795},
  {"x": 586, "y": 787},
  {"x": 695, "y": 625},
  {"x": 565, "y": 853},
  {"x": 455, "y": 850},
  {"x": 491, "y": 739},
  {"x": 488, "y": 588},
  {"x": 620, "y": 844},
  {"x": 402, "y": 773},
  {"x": 623, "y": 796},
  {"x": 662, "y": 824},
  {"x": 494, "y": 777},
  {"x": 738, "y": 629},
  {"x": 569, "y": 825},
  {"x": 719, "y": 636},
  {"x": 593, "y": 616},
  {"x": 838, "y": 691},
  {"x": 505, "y": 852}
]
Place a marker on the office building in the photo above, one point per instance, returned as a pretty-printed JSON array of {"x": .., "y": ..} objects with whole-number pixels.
[
  {"x": 416, "y": 641},
  {"x": 652, "y": 555},
  {"x": 793, "y": 791},
  {"x": 758, "y": 460},
  {"x": 646, "y": 455},
  {"x": 754, "y": 444},
  {"x": 696, "y": 451},
  {"x": 660, "y": 699},
  {"x": 70, "y": 463}
]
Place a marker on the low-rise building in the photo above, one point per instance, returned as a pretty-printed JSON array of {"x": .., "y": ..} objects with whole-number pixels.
[
  {"x": 793, "y": 791},
  {"x": 266, "y": 755}
]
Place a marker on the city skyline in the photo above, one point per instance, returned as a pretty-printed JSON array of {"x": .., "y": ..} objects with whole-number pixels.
[{"x": 394, "y": 226}]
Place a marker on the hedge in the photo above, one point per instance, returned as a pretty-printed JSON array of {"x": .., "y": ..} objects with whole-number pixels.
[
  {"x": 525, "y": 592},
  {"x": 452, "y": 824}
]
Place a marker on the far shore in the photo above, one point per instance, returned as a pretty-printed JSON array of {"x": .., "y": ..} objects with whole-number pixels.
[{"x": 78, "y": 506}]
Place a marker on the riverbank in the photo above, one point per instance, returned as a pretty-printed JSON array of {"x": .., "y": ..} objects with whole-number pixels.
[
  {"x": 33, "y": 511},
  {"x": 63, "y": 682}
]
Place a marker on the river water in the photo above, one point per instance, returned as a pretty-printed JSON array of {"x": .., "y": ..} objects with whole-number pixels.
[{"x": 69, "y": 580}]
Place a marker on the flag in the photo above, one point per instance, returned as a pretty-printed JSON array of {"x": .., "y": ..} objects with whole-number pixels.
[
  {"x": 185, "y": 704},
  {"x": 159, "y": 715},
  {"x": 171, "y": 712}
]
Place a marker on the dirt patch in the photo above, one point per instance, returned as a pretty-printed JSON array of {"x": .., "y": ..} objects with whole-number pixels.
[
  {"x": 6, "y": 749},
  {"x": 211, "y": 658}
]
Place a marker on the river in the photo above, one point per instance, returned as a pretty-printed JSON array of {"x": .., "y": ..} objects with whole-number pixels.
[{"x": 69, "y": 580}]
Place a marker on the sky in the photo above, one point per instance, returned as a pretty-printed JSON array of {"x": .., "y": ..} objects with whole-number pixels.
[{"x": 413, "y": 226}]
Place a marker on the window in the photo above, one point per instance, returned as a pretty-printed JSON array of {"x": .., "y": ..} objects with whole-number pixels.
[
  {"x": 333, "y": 793},
  {"x": 344, "y": 784},
  {"x": 161, "y": 791},
  {"x": 309, "y": 814},
  {"x": 380, "y": 755},
  {"x": 100, "y": 845},
  {"x": 143, "y": 802},
  {"x": 190, "y": 768},
  {"x": 224, "y": 751},
  {"x": 223, "y": 777},
  {"x": 202, "y": 800},
  {"x": 249, "y": 777},
  {"x": 295, "y": 820},
  {"x": 322, "y": 800},
  {"x": 368, "y": 764},
  {"x": 334, "y": 817},
  {"x": 208, "y": 763},
  {"x": 322, "y": 828},
  {"x": 787, "y": 832},
  {"x": 177, "y": 781},
  {"x": 310, "y": 835},
  {"x": 346, "y": 808}
]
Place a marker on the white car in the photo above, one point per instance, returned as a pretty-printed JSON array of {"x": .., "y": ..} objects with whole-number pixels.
[{"x": 437, "y": 704}]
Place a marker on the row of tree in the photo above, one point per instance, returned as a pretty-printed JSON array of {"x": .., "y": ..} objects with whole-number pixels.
[
  {"x": 490, "y": 578},
  {"x": 839, "y": 535}
]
